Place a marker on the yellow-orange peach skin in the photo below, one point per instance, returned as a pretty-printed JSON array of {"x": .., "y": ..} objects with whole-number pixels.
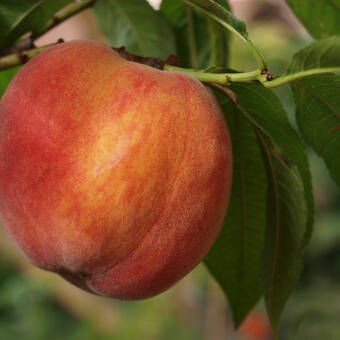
[{"x": 113, "y": 174}]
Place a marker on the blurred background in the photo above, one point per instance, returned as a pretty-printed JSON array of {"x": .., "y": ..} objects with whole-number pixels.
[{"x": 38, "y": 305}]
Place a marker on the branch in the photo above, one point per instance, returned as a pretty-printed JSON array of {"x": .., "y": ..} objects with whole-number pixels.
[
  {"x": 171, "y": 64},
  {"x": 221, "y": 78},
  {"x": 21, "y": 57}
]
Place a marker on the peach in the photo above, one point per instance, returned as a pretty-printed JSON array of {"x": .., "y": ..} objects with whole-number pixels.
[{"x": 113, "y": 174}]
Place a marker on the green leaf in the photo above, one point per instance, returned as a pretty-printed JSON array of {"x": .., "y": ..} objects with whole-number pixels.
[
  {"x": 135, "y": 25},
  {"x": 290, "y": 200},
  {"x": 174, "y": 11},
  {"x": 286, "y": 218},
  {"x": 320, "y": 17},
  {"x": 235, "y": 260},
  {"x": 265, "y": 110},
  {"x": 220, "y": 14},
  {"x": 20, "y": 17},
  {"x": 219, "y": 41},
  {"x": 5, "y": 78},
  {"x": 200, "y": 41},
  {"x": 318, "y": 101},
  {"x": 321, "y": 55},
  {"x": 318, "y": 117}
]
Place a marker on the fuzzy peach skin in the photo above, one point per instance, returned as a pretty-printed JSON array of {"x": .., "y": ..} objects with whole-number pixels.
[{"x": 113, "y": 174}]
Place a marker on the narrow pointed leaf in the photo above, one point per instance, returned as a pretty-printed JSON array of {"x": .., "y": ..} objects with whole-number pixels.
[
  {"x": 320, "y": 17},
  {"x": 318, "y": 101},
  {"x": 135, "y": 25},
  {"x": 214, "y": 9},
  {"x": 220, "y": 14},
  {"x": 286, "y": 218},
  {"x": 236, "y": 257},
  {"x": 267, "y": 113}
]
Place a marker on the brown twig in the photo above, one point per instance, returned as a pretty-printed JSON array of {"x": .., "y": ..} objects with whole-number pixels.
[
  {"x": 225, "y": 91},
  {"x": 153, "y": 62}
]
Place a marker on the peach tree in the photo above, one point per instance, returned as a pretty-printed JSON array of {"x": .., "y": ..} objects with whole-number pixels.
[{"x": 259, "y": 251}]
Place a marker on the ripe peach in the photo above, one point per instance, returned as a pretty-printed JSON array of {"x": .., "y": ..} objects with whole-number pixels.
[{"x": 113, "y": 174}]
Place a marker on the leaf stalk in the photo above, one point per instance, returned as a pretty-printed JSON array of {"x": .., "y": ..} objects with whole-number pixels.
[
  {"x": 219, "y": 78},
  {"x": 284, "y": 79}
]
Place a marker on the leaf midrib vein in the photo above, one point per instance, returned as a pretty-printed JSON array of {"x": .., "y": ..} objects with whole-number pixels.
[{"x": 277, "y": 217}]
